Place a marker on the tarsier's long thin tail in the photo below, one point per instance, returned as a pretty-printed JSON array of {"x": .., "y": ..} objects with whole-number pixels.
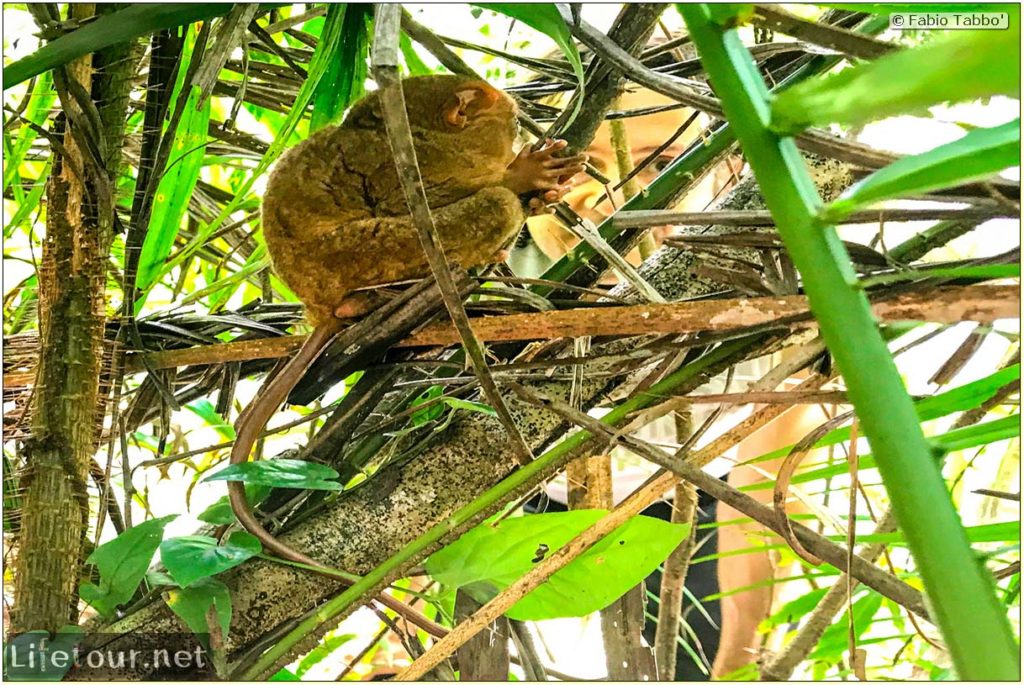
[{"x": 248, "y": 428}]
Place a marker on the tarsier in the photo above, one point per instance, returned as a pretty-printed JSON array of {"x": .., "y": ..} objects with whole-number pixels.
[{"x": 336, "y": 220}]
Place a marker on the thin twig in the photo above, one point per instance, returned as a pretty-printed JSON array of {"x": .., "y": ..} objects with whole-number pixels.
[
  {"x": 762, "y": 217},
  {"x": 675, "y": 468},
  {"x": 396, "y": 121}
]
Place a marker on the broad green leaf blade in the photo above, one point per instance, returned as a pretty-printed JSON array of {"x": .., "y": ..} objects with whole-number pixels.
[
  {"x": 468, "y": 405},
  {"x": 220, "y": 513},
  {"x": 546, "y": 18},
  {"x": 490, "y": 558},
  {"x": 122, "y": 564},
  {"x": 193, "y": 557},
  {"x": 958, "y": 67},
  {"x": 132, "y": 21},
  {"x": 980, "y": 154},
  {"x": 192, "y": 604},
  {"x": 174, "y": 190},
  {"x": 281, "y": 473},
  {"x": 344, "y": 81}
]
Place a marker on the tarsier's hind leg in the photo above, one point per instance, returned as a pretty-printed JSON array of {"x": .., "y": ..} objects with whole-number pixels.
[{"x": 369, "y": 252}]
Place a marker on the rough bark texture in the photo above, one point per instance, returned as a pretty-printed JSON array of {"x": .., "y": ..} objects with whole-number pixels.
[
  {"x": 72, "y": 286},
  {"x": 369, "y": 523}
]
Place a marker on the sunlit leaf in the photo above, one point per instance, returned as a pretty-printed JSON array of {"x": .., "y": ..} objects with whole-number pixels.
[
  {"x": 980, "y": 154},
  {"x": 281, "y": 473},
  {"x": 490, "y": 558},
  {"x": 193, "y": 557},
  {"x": 958, "y": 67},
  {"x": 122, "y": 564},
  {"x": 192, "y": 605}
]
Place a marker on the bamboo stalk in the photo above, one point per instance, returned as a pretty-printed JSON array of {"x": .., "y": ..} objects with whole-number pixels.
[{"x": 970, "y": 616}]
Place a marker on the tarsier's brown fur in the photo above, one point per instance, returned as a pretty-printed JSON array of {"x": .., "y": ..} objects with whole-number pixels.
[
  {"x": 335, "y": 220},
  {"x": 334, "y": 214}
]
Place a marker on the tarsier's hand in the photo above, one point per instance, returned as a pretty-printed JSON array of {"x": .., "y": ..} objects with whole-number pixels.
[{"x": 539, "y": 170}]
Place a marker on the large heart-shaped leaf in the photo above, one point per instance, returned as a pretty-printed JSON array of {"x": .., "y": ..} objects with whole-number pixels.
[
  {"x": 193, "y": 557},
  {"x": 281, "y": 473},
  {"x": 192, "y": 605},
  {"x": 490, "y": 558},
  {"x": 122, "y": 564},
  {"x": 980, "y": 154},
  {"x": 220, "y": 513}
]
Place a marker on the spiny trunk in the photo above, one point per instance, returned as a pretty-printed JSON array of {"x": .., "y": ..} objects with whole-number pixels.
[{"x": 72, "y": 287}]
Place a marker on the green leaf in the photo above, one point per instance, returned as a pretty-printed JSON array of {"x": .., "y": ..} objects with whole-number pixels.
[
  {"x": 38, "y": 109},
  {"x": 122, "y": 564},
  {"x": 985, "y": 271},
  {"x": 490, "y": 558},
  {"x": 205, "y": 410},
  {"x": 730, "y": 14},
  {"x": 193, "y": 557},
  {"x": 794, "y": 610},
  {"x": 281, "y": 473},
  {"x": 427, "y": 414},
  {"x": 468, "y": 405},
  {"x": 546, "y": 18},
  {"x": 835, "y": 639},
  {"x": 980, "y": 154},
  {"x": 344, "y": 80},
  {"x": 957, "y": 67},
  {"x": 284, "y": 674},
  {"x": 413, "y": 62},
  {"x": 220, "y": 513},
  {"x": 192, "y": 604},
  {"x": 117, "y": 27},
  {"x": 961, "y": 398},
  {"x": 327, "y": 646},
  {"x": 175, "y": 189}
]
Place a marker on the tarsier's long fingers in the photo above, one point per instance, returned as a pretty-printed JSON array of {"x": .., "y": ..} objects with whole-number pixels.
[{"x": 539, "y": 169}]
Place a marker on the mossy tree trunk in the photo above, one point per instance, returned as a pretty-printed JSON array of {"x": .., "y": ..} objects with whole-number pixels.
[{"x": 80, "y": 198}]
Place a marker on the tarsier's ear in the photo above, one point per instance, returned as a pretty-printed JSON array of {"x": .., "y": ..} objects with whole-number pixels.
[{"x": 467, "y": 102}]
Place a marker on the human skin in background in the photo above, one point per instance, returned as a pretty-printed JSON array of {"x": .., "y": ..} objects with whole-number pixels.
[
  {"x": 646, "y": 134},
  {"x": 742, "y": 611}
]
